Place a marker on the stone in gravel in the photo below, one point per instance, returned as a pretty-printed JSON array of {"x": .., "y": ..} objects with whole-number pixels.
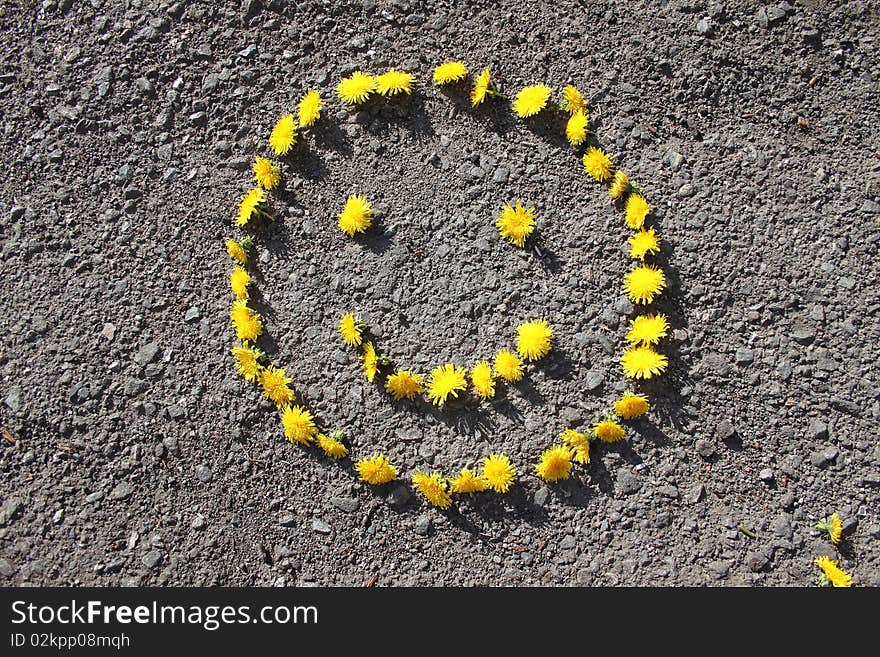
[
  {"x": 198, "y": 522},
  {"x": 501, "y": 175},
  {"x": 541, "y": 495},
  {"x": 10, "y": 510},
  {"x": 6, "y": 568},
  {"x": 203, "y": 473},
  {"x": 347, "y": 504},
  {"x": 719, "y": 568},
  {"x": 320, "y": 526},
  {"x": 423, "y": 525},
  {"x": 287, "y": 519},
  {"x": 13, "y": 399},
  {"x": 193, "y": 314},
  {"x": 704, "y": 27},
  {"x": 758, "y": 559},
  {"x": 726, "y": 431},
  {"x": 668, "y": 491},
  {"x": 146, "y": 354},
  {"x": 109, "y": 331},
  {"x": 803, "y": 334},
  {"x": 817, "y": 430},
  {"x": 398, "y": 497},
  {"x": 91, "y": 498},
  {"x": 122, "y": 491},
  {"x": 593, "y": 380},
  {"x": 766, "y": 475},
  {"x": 627, "y": 482},
  {"x": 787, "y": 501},
  {"x": 705, "y": 448},
  {"x": 744, "y": 356},
  {"x": 152, "y": 559},
  {"x": 871, "y": 207},
  {"x": 687, "y": 190},
  {"x": 675, "y": 160},
  {"x": 781, "y": 526},
  {"x": 824, "y": 457},
  {"x": 696, "y": 493}
]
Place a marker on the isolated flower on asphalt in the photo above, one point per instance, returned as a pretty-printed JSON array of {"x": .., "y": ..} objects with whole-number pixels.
[
  {"x": 356, "y": 216},
  {"x": 619, "y": 186},
  {"x": 238, "y": 250},
  {"x": 310, "y": 108},
  {"x": 644, "y": 283},
  {"x": 351, "y": 329},
  {"x": 433, "y": 488},
  {"x": 572, "y": 100},
  {"x": 608, "y": 431},
  {"x": 332, "y": 445},
  {"x": 449, "y": 72},
  {"x": 832, "y": 527},
  {"x": 498, "y": 472},
  {"x": 404, "y": 384},
  {"x": 266, "y": 173},
  {"x": 239, "y": 280},
  {"x": 276, "y": 385},
  {"x": 643, "y": 243},
  {"x": 246, "y": 322},
  {"x": 483, "y": 380},
  {"x": 579, "y": 444},
  {"x": 597, "y": 164},
  {"x": 641, "y": 362},
  {"x": 508, "y": 366},
  {"x": 481, "y": 87},
  {"x": 555, "y": 463},
  {"x": 253, "y": 204},
  {"x": 516, "y": 223},
  {"x": 637, "y": 210},
  {"x": 468, "y": 482},
  {"x": 576, "y": 128},
  {"x": 370, "y": 361},
  {"x": 299, "y": 425},
  {"x": 356, "y": 88},
  {"x": 283, "y": 135},
  {"x": 376, "y": 469},
  {"x": 647, "y": 329},
  {"x": 247, "y": 361},
  {"x": 531, "y": 100},
  {"x": 394, "y": 82},
  {"x": 444, "y": 382},
  {"x": 832, "y": 573},
  {"x": 533, "y": 339},
  {"x": 631, "y": 406}
]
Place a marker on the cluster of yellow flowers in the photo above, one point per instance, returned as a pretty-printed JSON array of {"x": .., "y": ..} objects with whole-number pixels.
[
  {"x": 359, "y": 86},
  {"x": 832, "y": 574},
  {"x": 533, "y": 342}
]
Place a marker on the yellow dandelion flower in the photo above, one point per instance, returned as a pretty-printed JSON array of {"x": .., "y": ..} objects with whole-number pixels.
[
  {"x": 283, "y": 135},
  {"x": 643, "y": 243},
  {"x": 276, "y": 386},
  {"x": 376, "y": 469},
  {"x": 370, "y": 361},
  {"x": 619, "y": 186},
  {"x": 247, "y": 361},
  {"x": 449, "y": 72},
  {"x": 444, "y": 382},
  {"x": 834, "y": 574},
  {"x": 350, "y": 328},
  {"x": 644, "y": 283},
  {"x": 253, "y": 204},
  {"x": 332, "y": 445},
  {"x": 631, "y": 406},
  {"x": 576, "y": 128},
  {"x": 533, "y": 339},
  {"x": 516, "y": 223},
  {"x": 239, "y": 280},
  {"x": 531, "y": 100},
  {"x": 266, "y": 173},
  {"x": 508, "y": 366},
  {"x": 647, "y": 329},
  {"x": 641, "y": 362},
  {"x": 483, "y": 380},
  {"x": 481, "y": 87},
  {"x": 468, "y": 482},
  {"x": 637, "y": 210},
  {"x": 555, "y": 463},
  {"x": 404, "y": 384},
  {"x": 299, "y": 425},
  {"x": 572, "y": 100},
  {"x": 394, "y": 82},
  {"x": 597, "y": 164},
  {"x": 832, "y": 526},
  {"x": 579, "y": 444},
  {"x": 433, "y": 488},
  {"x": 309, "y": 108},
  {"x": 356, "y": 216},
  {"x": 246, "y": 322},
  {"x": 608, "y": 431},
  {"x": 356, "y": 88},
  {"x": 238, "y": 250},
  {"x": 498, "y": 472}
]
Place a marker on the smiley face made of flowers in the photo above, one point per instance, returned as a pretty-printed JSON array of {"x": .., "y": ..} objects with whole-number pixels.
[{"x": 492, "y": 472}]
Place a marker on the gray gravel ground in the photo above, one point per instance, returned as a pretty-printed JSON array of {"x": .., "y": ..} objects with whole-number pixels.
[{"x": 140, "y": 457}]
